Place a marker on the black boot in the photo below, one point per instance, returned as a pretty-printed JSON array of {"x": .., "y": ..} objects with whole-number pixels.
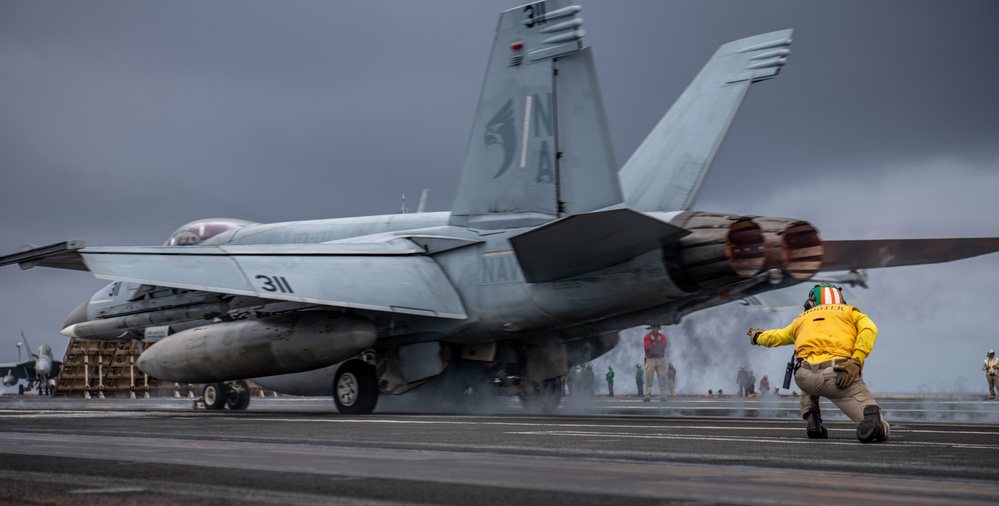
[
  {"x": 815, "y": 430},
  {"x": 871, "y": 429}
]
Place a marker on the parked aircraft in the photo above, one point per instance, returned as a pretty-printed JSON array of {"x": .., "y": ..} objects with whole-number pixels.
[
  {"x": 550, "y": 249},
  {"x": 38, "y": 370}
]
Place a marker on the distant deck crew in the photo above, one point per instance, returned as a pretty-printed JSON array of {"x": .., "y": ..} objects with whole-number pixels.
[
  {"x": 671, "y": 379},
  {"x": 831, "y": 341},
  {"x": 639, "y": 379},
  {"x": 991, "y": 368},
  {"x": 610, "y": 381},
  {"x": 742, "y": 379},
  {"x": 655, "y": 350}
]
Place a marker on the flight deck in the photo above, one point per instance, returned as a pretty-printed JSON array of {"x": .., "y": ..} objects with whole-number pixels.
[{"x": 296, "y": 450}]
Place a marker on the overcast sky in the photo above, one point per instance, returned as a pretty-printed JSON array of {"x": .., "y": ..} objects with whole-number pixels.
[{"x": 120, "y": 121}]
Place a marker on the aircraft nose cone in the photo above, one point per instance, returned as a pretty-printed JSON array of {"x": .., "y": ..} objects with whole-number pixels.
[
  {"x": 78, "y": 315},
  {"x": 43, "y": 366}
]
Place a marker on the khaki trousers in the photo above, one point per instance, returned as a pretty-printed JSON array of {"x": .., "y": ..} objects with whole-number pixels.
[
  {"x": 822, "y": 383},
  {"x": 655, "y": 366},
  {"x": 993, "y": 380}
]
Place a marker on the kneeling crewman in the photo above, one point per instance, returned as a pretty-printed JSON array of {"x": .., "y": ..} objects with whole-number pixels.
[{"x": 831, "y": 341}]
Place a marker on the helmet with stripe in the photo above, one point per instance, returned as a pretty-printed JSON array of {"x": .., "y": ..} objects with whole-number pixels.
[{"x": 824, "y": 293}]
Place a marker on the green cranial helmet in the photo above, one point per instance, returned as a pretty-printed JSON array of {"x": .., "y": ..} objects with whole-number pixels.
[{"x": 824, "y": 293}]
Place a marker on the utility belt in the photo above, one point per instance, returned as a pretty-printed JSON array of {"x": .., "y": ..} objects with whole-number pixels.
[{"x": 822, "y": 365}]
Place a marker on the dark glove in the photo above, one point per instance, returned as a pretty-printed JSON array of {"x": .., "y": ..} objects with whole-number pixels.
[
  {"x": 753, "y": 334},
  {"x": 847, "y": 372}
]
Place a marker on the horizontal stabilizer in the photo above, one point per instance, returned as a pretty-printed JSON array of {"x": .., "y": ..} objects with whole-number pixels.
[
  {"x": 870, "y": 254},
  {"x": 588, "y": 242}
]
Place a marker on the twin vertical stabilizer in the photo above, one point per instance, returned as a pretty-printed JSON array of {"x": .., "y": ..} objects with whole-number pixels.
[
  {"x": 665, "y": 172},
  {"x": 539, "y": 147}
]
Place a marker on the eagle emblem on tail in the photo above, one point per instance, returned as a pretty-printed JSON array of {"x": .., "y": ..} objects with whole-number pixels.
[{"x": 500, "y": 131}]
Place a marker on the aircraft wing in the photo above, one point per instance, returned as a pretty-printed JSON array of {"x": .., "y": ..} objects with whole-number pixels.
[
  {"x": 387, "y": 274},
  {"x": 62, "y": 255},
  {"x": 22, "y": 370},
  {"x": 871, "y": 254}
]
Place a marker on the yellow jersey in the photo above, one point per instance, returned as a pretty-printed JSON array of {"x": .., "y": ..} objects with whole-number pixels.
[{"x": 826, "y": 332}]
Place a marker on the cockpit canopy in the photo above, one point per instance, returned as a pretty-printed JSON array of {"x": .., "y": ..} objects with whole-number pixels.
[{"x": 198, "y": 231}]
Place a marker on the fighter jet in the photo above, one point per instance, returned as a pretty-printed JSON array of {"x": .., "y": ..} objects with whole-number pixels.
[
  {"x": 37, "y": 371},
  {"x": 549, "y": 250}
]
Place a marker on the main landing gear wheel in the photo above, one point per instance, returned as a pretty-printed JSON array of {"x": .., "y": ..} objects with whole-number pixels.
[
  {"x": 545, "y": 398},
  {"x": 355, "y": 388},
  {"x": 237, "y": 395},
  {"x": 214, "y": 396}
]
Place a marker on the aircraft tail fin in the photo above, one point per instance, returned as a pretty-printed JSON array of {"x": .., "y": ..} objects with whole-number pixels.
[
  {"x": 665, "y": 172},
  {"x": 539, "y": 147},
  {"x": 27, "y": 346}
]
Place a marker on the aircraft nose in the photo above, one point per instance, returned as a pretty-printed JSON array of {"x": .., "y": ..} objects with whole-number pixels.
[
  {"x": 43, "y": 366},
  {"x": 78, "y": 315}
]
